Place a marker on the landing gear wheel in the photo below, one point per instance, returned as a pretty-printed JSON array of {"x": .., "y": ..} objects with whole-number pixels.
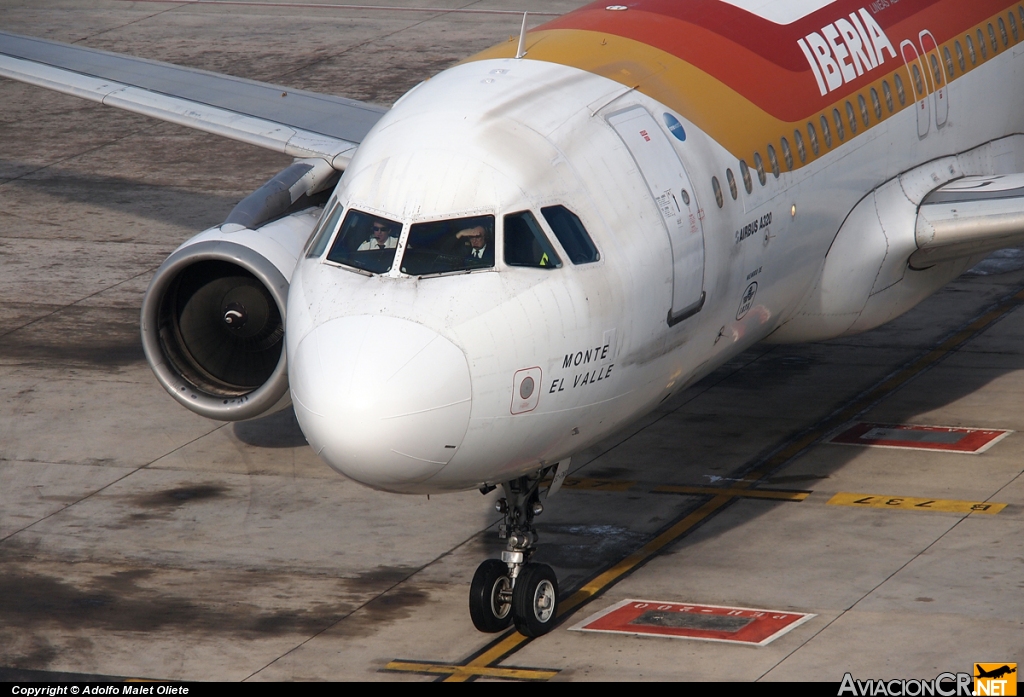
[
  {"x": 535, "y": 600},
  {"x": 490, "y": 597}
]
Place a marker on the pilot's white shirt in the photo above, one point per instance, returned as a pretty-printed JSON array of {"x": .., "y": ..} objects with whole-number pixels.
[
  {"x": 371, "y": 244},
  {"x": 478, "y": 253}
]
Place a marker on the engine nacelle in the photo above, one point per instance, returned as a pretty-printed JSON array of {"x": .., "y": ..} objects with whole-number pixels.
[
  {"x": 866, "y": 279},
  {"x": 213, "y": 318},
  {"x": 877, "y": 267}
]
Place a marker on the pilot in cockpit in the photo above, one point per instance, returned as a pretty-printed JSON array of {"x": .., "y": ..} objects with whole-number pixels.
[
  {"x": 478, "y": 249},
  {"x": 383, "y": 235}
]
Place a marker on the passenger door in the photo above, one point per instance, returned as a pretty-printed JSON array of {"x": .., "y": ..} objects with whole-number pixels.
[{"x": 672, "y": 192}]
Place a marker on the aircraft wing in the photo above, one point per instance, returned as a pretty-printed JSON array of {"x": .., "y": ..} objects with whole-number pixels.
[
  {"x": 969, "y": 216},
  {"x": 294, "y": 122}
]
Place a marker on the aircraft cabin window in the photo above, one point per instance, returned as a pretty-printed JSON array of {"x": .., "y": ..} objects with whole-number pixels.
[
  {"x": 918, "y": 80},
  {"x": 449, "y": 246},
  {"x": 716, "y": 187},
  {"x": 800, "y": 149},
  {"x": 1013, "y": 27},
  {"x": 787, "y": 153},
  {"x": 936, "y": 70},
  {"x": 960, "y": 56},
  {"x": 851, "y": 117},
  {"x": 745, "y": 173},
  {"x": 812, "y": 135},
  {"x": 1020, "y": 11},
  {"x": 322, "y": 233},
  {"x": 863, "y": 110},
  {"x": 876, "y": 104},
  {"x": 981, "y": 45},
  {"x": 366, "y": 242},
  {"x": 826, "y": 132},
  {"x": 970, "y": 50},
  {"x": 839, "y": 124},
  {"x": 759, "y": 166},
  {"x": 900, "y": 92},
  {"x": 773, "y": 160},
  {"x": 1002, "y": 32},
  {"x": 949, "y": 63},
  {"x": 569, "y": 230},
  {"x": 992, "y": 38},
  {"x": 686, "y": 196},
  {"x": 732, "y": 183},
  {"x": 887, "y": 94},
  {"x": 526, "y": 244}
]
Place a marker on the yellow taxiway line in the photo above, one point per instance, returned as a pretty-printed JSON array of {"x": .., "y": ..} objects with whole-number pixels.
[{"x": 504, "y": 646}]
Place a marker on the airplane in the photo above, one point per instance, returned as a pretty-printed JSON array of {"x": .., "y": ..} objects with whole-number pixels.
[
  {"x": 541, "y": 244},
  {"x": 995, "y": 673}
]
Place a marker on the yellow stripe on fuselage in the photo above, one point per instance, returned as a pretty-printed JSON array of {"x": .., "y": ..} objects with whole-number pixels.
[{"x": 732, "y": 120}]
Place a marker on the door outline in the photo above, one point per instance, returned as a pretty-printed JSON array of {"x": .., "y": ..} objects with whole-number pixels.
[
  {"x": 912, "y": 58},
  {"x": 666, "y": 179},
  {"x": 940, "y": 95}
]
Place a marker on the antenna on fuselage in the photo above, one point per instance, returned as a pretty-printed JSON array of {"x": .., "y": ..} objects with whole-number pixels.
[{"x": 521, "y": 51}]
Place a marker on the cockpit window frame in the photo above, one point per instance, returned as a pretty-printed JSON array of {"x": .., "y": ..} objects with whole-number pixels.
[
  {"x": 321, "y": 236},
  {"x": 595, "y": 250},
  {"x": 326, "y": 238},
  {"x": 541, "y": 237},
  {"x": 403, "y": 228},
  {"x": 403, "y": 247}
]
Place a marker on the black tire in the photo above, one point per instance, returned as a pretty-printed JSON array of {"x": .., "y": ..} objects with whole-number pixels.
[
  {"x": 489, "y": 612},
  {"x": 535, "y": 600}
]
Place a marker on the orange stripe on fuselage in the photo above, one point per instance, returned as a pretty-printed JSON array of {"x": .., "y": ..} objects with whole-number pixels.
[
  {"x": 741, "y": 97},
  {"x": 762, "y": 60}
]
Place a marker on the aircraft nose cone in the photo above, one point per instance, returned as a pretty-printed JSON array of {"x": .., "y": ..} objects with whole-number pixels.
[{"x": 382, "y": 400}]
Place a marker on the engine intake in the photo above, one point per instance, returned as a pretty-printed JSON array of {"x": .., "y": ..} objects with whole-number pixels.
[{"x": 213, "y": 330}]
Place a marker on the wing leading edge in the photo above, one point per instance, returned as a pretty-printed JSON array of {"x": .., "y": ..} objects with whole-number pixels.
[
  {"x": 970, "y": 216},
  {"x": 294, "y": 122}
]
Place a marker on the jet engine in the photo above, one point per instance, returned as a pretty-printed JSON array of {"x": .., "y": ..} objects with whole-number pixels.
[
  {"x": 213, "y": 317},
  {"x": 908, "y": 238}
]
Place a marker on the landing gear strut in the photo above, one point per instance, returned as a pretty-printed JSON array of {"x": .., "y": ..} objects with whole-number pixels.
[{"x": 516, "y": 589}]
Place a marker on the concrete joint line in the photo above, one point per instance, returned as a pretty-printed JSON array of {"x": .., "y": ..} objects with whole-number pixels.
[{"x": 789, "y": 449}]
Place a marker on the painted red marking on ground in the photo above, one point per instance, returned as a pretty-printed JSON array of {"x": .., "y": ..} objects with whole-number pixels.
[
  {"x": 943, "y": 438},
  {"x": 737, "y": 625}
]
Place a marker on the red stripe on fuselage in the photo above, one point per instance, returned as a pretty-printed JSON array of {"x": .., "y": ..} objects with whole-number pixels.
[{"x": 762, "y": 60}]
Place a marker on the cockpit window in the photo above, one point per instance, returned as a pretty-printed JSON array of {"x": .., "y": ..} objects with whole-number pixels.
[
  {"x": 322, "y": 234},
  {"x": 526, "y": 244},
  {"x": 366, "y": 242},
  {"x": 569, "y": 230},
  {"x": 445, "y": 246}
]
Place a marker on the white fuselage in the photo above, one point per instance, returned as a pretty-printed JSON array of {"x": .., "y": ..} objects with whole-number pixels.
[{"x": 415, "y": 384}]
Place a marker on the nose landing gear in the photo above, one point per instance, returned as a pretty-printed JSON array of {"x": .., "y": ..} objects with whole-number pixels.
[{"x": 516, "y": 589}]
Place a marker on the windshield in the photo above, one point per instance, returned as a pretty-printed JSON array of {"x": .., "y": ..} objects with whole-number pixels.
[
  {"x": 322, "y": 234},
  {"x": 444, "y": 246},
  {"x": 366, "y": 242}
]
